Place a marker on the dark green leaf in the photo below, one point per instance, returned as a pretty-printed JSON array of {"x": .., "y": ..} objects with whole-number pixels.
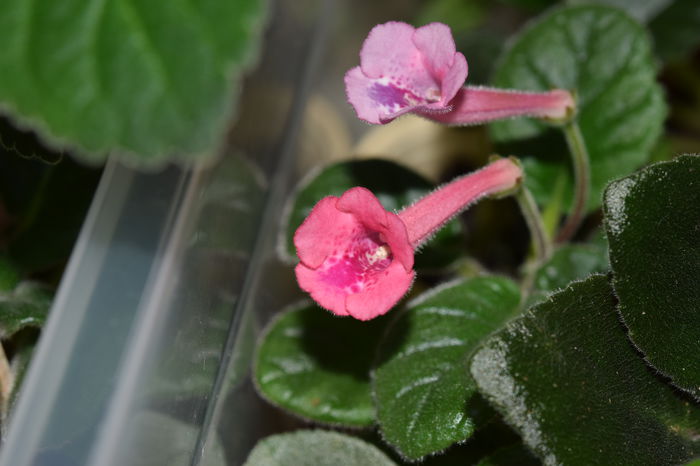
[
  {"x": 9, "y": 275},
  {"x": 653, "y": 225},
  {"x": 317, "y": 365},
  {"x": 147, "y": 80},
  {"x": 605, "y": 57},
  {"x": 641, "y": 10},
  {"x": 675, "y": 30},
  {"x": 26, "y": 306},
  {"x": 425, "y": 398},
  {"x": 513, "y": 455},
  {"x": 567, "y": 378},
  {"x": 25, "y": 143},
  {"x": 568, "y": 263},
  {"x": 316, "y": 448},
  {"x": 394, "y": 186}
]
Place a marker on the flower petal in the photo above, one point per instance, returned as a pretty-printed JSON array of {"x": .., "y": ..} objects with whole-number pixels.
[
  {"x": 329, "y": 297},
  {"x": 388, "y": 50},
  {"x": 454, "y": 79},
  {"x": 375, "y": 300},
  {"x": 325, "y": 230},
  {"x": 437, "y": 47},
  {"x": 357, "y": 90}
]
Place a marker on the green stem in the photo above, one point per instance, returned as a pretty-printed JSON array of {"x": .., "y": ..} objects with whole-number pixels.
[
  {"x": 540, "y": 241},
  {"x": 582, "y": 177}
]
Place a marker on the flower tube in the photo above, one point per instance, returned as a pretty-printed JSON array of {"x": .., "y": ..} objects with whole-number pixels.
[{"x": 356, "y": 258}]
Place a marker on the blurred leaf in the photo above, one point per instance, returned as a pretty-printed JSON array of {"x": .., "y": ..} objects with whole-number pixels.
[
  {"x": 568, "y": 263},
  {"x": 317, "y": 365},
  {"x": 459, "y": 15},
  {"x": 567, "y": 378},
  {"x": 425, "y": 398},
  {"x": 653, "y": 225},
  {"x": 676, "y": 30},
  {"x": 394, "y": 186},
  {"x": 25, "y": 143},
  {"x": 26, "y": 306},
  {"x": 315, "y": 448},
  {"x": 641, "y": 10},
  {"x": 605, "y": 57},
  {"x": 9, "y": 275},
  {"x": 146, "y": 80}
]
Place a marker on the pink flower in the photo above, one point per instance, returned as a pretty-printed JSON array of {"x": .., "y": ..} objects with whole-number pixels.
[
  {"x": 356, "y": 258},
  {"x": 403, "y": 69}
]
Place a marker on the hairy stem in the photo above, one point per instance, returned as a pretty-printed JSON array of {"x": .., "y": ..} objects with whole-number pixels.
[
  {"x": 582, "y": 179},
  {"x": 540, "y": 241}
]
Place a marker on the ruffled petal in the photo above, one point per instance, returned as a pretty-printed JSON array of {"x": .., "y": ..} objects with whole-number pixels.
[
  {"x": 324, "y": 231},
  {"x": 389, "y": 50},
  {"x": 358, "y": 91},
  {"x": 437, "y": 47},
  {"x": 392, "y": 284},
  {"x": 329, "y": 297},
  {"x": 454, "y": 79}
]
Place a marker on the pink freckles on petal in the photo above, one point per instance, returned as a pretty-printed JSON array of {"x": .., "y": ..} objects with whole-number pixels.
[{"x": 358, "y": 267}]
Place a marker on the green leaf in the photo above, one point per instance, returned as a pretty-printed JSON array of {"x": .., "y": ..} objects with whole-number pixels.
[
  {"x": 425, "y": 399},
  {"x": 9, "y": 275},
  {"x": 675, "y": 30},
  {"x": 317, "y": 365},
  {"x": 147, "y": 80},
  {"x": 605, "y": 57},
  {"x": 653, "y": 225},
  {"x": 568, "y": 263},
  {"x": 315, "y": 448},
  {"x": 567, "y": 378},
  {"x": 26, "y": 306},
  {"x": 394, "y": 185},
  {"x": 641, "y": 10},
  {"x": 512, "y": 455}
]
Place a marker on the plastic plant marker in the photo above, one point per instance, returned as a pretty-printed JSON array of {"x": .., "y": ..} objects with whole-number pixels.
[
  {"x": 606, "y": 58},
  {"x": 567, "y": 378},
  {"x": 403, "y": 69},
  {"x": 317, "y": 366},
  {"x": 426, "y": 400},
  {"x": 653, "y": 226},
  {"x": 148, "y": 81},
  {"x": 317, "y": 448},
  {"x": 394, "y": 185},
  {"x": 357, "y": 258}
]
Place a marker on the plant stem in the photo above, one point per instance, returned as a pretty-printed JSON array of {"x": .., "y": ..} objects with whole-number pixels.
[
  {"x": 582, "y": 177},
  {"x": 540, "y": 241}
]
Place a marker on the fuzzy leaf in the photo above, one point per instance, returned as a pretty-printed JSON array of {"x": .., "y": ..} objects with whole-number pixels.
[
  {"x": 26, "y": 306},
  {"x": 144, "y": 79},
  {"x": 605, "y": 57},
  {"x": 315, "y": 448},
  {"x": 567, "y": 378},
  {"x": 653, "y": 225},
  {"x": 317, "y": 365},
  {"x": 426, "y": 400}
]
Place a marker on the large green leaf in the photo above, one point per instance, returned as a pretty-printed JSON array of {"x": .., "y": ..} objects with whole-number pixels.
[
  {"x": 425, "y": 399},
  {"x": 25, "y": 306},
  {"x": 653, "y": 225},
  {"x": 568, "y": 263},
  {"x": 605, "y": 57},
  {"x": 394, "y": 185},
  {"x": 641, "y": 10},
  {"x": 317, "y": 365},
  {"x": 316, "y": 448},
  {"x": 145, "y": 79},
  {"x": 567, "y": 378},
  {"x": 676, "y": 29}
]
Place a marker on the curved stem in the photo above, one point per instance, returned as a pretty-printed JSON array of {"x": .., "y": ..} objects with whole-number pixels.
[
  {"x": 582, "y": 177},
  {"x": 540, "y": 241}
]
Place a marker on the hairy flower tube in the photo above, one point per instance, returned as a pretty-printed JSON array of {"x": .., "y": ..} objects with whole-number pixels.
[
  {"x": 356, "y": 258},
  {"x": 404, "y": 69}
]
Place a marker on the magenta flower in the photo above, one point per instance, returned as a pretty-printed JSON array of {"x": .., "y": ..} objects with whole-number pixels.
[
  {"x": 403, "y": 69},
  {"x": 356, "y": 258}
]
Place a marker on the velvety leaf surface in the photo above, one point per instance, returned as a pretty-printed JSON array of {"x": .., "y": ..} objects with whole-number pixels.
[
  {"x": 605, "y": 57},
  {"x": 653, "y": 225},
  {"x": 675, "y": 30},
  {"x": 316, "y": 448},
  {"x": 394, "y": 185},
  {"x": 567, "y": 378},
  {"x": 25, "y": 306},
  {"x": 317, "y": 365},
  {"x": 142, "y": 78},
  {"x": 425, "y": 399},
  {"x": 568, "y": 263}
]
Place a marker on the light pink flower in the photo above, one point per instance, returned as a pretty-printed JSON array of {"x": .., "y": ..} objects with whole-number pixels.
[
  {"x": 356, "y": 258},
  {"x": 403, "y": 69}
]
